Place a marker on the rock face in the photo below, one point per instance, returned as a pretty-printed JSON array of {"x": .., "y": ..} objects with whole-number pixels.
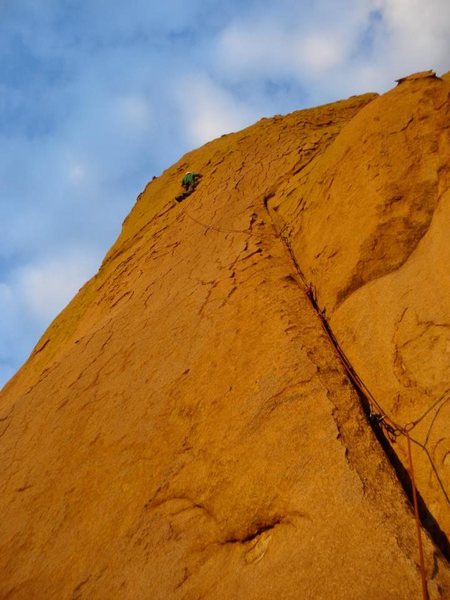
[
  {"x": 369, "y": 222},
  {"x": 185, "y": 429}
]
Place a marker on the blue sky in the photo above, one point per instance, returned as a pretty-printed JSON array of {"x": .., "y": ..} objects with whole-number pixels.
[{"x": 97, "y": 96}]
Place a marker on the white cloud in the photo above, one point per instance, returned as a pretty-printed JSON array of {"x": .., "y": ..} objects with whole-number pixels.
[
  {"x": 252, "y": 51},
  {"x": 135, "y": 111},
  {"x": 43, "y": 289},
  {"x": 336, "y": 49},
  {"x": 32, "y": 296},
  {"x": 208, "y": 110},
  {"x": 77, "y": 172},
  {"x": 291, "y": 44},
  {"x": 320, "y": 52},
  {"x": 274, "y": 49},
  {"x": 419, "y": 32}
]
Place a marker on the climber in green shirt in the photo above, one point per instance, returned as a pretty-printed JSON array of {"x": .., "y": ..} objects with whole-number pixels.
[{"x": 189, "y": 183}]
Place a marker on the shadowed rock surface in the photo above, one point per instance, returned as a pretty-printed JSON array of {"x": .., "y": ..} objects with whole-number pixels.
[{"x": 185, "y": 429}]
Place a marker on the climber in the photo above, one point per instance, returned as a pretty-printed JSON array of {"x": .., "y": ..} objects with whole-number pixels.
[{"x": 189, "y": 183}]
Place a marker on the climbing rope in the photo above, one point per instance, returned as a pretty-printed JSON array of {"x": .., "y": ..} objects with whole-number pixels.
[
  {"x": 376, "y": 412},
  {"x": 423, "y": 573},
  {"x": 214, "y": 227},
  {"x": 377, "y": 415}
]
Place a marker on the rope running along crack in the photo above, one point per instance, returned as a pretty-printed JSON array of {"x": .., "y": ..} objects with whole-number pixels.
[{"x": 385, "y": 428}]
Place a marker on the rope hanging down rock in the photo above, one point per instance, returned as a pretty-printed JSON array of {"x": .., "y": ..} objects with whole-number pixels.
[
  {"x": 214, "y": 227},
  {"x": 423, "y": 573},
  {"x": 375, "y": 412},
  {"x": 377, "y": 415}
]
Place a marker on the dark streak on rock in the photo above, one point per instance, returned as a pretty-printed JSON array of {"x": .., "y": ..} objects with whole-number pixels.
[{"x": 256, "y": 531}]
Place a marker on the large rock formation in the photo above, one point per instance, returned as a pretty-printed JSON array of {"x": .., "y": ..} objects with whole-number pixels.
[
  {"x": 185, "y": 427},
  {"x": 369, "y": 222}
]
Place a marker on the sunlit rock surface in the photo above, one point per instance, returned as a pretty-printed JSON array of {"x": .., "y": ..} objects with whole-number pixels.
[
  {"x": 369, "y": 221},
  {"x": 185, "y": 429}
]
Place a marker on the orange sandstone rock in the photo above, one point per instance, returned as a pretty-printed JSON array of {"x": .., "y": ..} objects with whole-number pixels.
[
  {"x": 369, "y": 224},
  {"x": 184, "y": 429},
  {"x": 421, "y": 75}
]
